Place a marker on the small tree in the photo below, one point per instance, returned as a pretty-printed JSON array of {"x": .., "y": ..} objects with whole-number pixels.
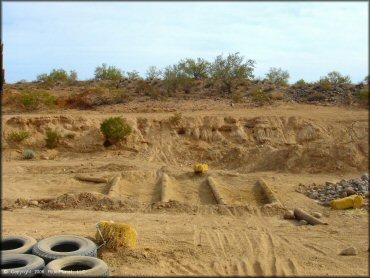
[
  {"x": 133, "y": 75},
  {"x": 195, "y": 69},
  {"x": 301, "y": 83},
  {"x": 115, "y": 129},
  {"x": 174, "y": 78},
  {"x": 73, "y": 75},
  {"x": 337, "y": 78},
  {"x": 108, "y": 73},
  {"x": 153, "y": 73},
  {"x": 231, "y": 68},
  {"x": 277, "y": 76}
]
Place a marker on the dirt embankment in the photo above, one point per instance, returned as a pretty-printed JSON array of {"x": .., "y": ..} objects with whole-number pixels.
[{"x": 248, "y": 144}]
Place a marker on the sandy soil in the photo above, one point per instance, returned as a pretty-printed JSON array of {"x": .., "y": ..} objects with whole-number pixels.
[{"x": 284, "y": 144}]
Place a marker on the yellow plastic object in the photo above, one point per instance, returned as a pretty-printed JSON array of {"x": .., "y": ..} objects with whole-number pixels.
[
  {"x": 116, "y": 235},
  {"x": 353, "y": 201},
  {"x": 200, "y": 168}
]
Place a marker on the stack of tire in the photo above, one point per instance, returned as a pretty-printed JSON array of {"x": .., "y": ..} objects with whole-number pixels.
[{"x": 56, "y": 256}]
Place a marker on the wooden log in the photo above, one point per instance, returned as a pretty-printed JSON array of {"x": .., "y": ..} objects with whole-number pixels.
[
  {"x": 165, "y": 181},
  {"x": 114, "y": 186},
  {"x": 271, "y": 196},
  {"x": 212, "y": 184},
  {"x": 90, "y": 179},
  {"x": 302, "y": 215}
]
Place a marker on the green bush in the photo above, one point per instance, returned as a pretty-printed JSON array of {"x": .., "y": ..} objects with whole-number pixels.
[
  {"x": 231, "y": 68},
  {"x": 301, "y": 83},
  {"x": 176, "y": 118},
  {"x": 325, "y": 85},
  {"x": 115, "y": 129},
  {"x": 174, "y": 78},
  {"x": 195, "y": 69},
  {"x": 29, "y": 154},
  {"x": 108, "y": 73},
  {"x": 19, "y": 136},
  {"x": 337, "y": 78},
  {"x": 56, "y": 75},
  {"x": 31, "y": 100},
  {"x": 277, "y": 76},
  {"x": 52, "y": 139}
]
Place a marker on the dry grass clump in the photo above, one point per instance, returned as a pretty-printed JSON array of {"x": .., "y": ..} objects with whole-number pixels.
[{"x": 19, "y": 136}]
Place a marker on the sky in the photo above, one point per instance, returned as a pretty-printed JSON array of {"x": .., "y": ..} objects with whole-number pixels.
[{"x": 308, "y": 39}]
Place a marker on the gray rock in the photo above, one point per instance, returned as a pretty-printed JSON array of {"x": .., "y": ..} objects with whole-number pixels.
[
  {"x": 350, "y": 251},
  {"x": 343, "y": 194},
  {"x": 314, "y": 195},
  {"x": 327, "y": 203},
  {"x": 350, "y": 191}
]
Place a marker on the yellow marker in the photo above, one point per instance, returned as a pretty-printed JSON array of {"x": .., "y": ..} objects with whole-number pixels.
[
  {"x": 353, "y": 201},
  {"x": 200, "y": 168}
]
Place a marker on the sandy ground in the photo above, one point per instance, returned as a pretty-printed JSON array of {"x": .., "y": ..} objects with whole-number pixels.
[{"x": 211, "y": 240}]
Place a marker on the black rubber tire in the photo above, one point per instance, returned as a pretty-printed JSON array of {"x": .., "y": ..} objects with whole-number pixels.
[
  {"x": 73, "y": 245},
  {"x": 89, "y": 267},
  {"x": 17, "y": 244},
  {"x": 21, "y": 265}
]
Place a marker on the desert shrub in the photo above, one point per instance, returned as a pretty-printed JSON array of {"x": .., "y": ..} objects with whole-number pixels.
[
  {"x": 325, "y": 85},
  {"x": 259, "y": 97},
  {"x": 176, "y": 118},
  {"x": 237, "y": 97},
  {"x": 363, "y": 95},
  {"x": 19, "y": 136},
  {"x": 143, "y": 88},
  {"x": 29, "y": 154},
  {"x": 52, "y": 139},
  {"x": 337, "y": 78},
  {"x": 316, "y": 96},
  {"x": 115, "y": 129},
  {"x": 31, "y": 100},
  {"x": 300, "y": 83},
  {"x": 174, "y": 78},
  {"x": 195, "y": 69},
  {"x": 55, "y": 76},
  {"x": 73, "y": 75},
  {"x": 277, "y": 76},
  {"x": 108, "y": 73},
  {"x": 228, "y": 69},
  {"x": 153, "y": 73},
  {"x": 133, "y": 75},
  {"x": 277, "y": 95}
]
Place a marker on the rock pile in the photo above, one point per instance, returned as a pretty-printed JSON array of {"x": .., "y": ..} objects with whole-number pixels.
[{"x": 330, "y": 191}]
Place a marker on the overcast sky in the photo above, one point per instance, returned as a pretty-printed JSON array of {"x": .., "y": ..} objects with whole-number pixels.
[{"x": 308, "y": 39}]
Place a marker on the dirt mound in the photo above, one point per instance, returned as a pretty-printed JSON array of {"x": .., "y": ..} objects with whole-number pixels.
[
  {"x": 173, "y": 206},
  {"x": 94, "y": 201}
]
